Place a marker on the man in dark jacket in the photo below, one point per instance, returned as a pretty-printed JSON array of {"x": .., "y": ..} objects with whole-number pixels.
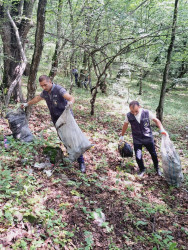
[
  {"x": 75, "y": 74},
  {"x": 142, "y": 135},
  {"x": 57, "y": 98}
]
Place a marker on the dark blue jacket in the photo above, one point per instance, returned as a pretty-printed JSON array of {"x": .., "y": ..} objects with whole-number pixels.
[
  {"x": 55, "y": 101},
  {"x": 141, "y": 132}
]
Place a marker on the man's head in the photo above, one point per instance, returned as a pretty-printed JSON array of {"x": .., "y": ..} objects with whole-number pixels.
[
  {"x": 45, "y": 82},
  {"x": 134, "y": 107}
]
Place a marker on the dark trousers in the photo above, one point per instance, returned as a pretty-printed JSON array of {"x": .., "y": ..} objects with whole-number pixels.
[
  {"x": 80, "y": 159},
  {"x": 76, "y": 78},
  {"x": 138, "y": 153}
]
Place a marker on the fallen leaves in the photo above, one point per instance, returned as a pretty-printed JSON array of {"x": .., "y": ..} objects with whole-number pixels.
[{"x": 50, "y": 209}]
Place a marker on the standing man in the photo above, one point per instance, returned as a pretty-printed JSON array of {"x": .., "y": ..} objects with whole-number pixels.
[
  {"x": 139, "y": 119},
  {"x": 75, "y": 74},
  {"x": 57, "y": 98}
]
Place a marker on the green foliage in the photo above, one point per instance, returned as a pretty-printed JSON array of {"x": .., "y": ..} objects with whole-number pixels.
[
  {"x": 89, "y": 240},
  {"x": 51, "y": 152},
  {"x": 5, "y": 179},
  {"x": 164, "y": 242}
]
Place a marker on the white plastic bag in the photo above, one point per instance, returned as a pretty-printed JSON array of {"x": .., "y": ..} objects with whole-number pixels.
[
  {"x": 171, "y": 162},
  {"x": 71, "y": 135}
]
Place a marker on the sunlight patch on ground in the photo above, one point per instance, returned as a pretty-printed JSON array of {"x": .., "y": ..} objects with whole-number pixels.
[
  {"x": 154, "y": 200},
  {"x": 7, "y": 158},
  {"x": 112, "y": 147},
  {"x": 98, "y": 135}
]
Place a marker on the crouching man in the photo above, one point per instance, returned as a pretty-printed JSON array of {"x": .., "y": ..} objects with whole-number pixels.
[
  {"x": 57, "y": 99},
  {"x": 139, "y": 119}
]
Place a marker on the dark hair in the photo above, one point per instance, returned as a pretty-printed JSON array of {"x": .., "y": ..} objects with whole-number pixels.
[
  {"x": 44, "y": 78},
  {"x": 133, "y": 104}
]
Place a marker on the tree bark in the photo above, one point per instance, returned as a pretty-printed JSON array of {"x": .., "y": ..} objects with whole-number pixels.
[
  {"x": 183, "y": 67},
  {"x": 12, "y": 57},
  {"x": 160, "y": 107},
  {"x": 20, "y": 68},
  {"x": 88, "y": 28},
  {"x": 31, "y": 86},
  {"x": 140, "y": 86},
  {"x": 55, "y": 58},
  {"x": 72, "y": 57}
]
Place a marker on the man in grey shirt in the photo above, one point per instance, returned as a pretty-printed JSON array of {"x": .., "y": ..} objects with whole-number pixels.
[{"x": 57, "y": 98}]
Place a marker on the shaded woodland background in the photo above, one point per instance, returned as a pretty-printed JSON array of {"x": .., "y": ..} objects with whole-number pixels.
[{"x": 107, "y": 39}]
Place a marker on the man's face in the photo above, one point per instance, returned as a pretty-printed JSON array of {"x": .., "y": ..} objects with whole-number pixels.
[
  {"x": 46, "y": 85},
  {"x": 135, "y": 110}
]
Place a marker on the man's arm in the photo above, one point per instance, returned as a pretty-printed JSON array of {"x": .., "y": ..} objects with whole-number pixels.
[
  {"x": 159, "y": 125},
  {"x": 124, "y": 129},
  {"x": 69, "y": 97},
  {"x": 36, "y": 99}
]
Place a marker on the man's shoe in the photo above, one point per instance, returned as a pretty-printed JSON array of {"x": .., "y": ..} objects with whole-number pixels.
[
  {"x": 158, "y": 172},
  {"x": 141, "y": 173},
  {"x": 82, "y": 167}
]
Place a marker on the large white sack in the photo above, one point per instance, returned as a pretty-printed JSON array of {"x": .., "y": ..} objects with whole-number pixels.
[
  {"x": 171, "y": 163},
  {"x": 71, "y": 135}
]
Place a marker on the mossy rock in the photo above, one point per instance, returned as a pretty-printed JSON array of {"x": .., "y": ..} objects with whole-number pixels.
[
  {"x": 55, "y": 154},
  {"x": 31, "y": 218}
]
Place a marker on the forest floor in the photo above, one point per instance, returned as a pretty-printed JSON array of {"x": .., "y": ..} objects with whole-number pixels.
[{"x": 58, "y": 212}]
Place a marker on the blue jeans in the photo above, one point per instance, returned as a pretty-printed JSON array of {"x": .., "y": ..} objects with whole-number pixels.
[{"x": 138, "y": 153}]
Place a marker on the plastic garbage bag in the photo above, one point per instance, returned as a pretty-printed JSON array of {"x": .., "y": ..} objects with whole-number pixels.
[
  {"x": 19, "y": 125},
  {"x": 71, "y": 135},
  {"x": 125, "y": 150},
  {"x": 171, "y": 162}
]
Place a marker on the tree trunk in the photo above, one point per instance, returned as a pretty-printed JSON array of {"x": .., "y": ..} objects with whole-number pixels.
[
  {"x": 20, "y": 68},
  {"x": 183, "y": 68},
  {"x": 88, "y": 28},
  {"x": 31, "y": 86},
  {"x": 55, "y": 58},
  {"x": 160, "y": 107},
  {"x": 72, "y": 57},
  {"x": 93, "y": 99},
  {"x": 54, "y": 67},
  {"x": 21, "y": 11},
  {"x": 140, "y": 86}
]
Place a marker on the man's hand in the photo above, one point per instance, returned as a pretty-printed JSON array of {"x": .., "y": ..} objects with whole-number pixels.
[
  {"x": 69, "y": 104},
  {"x": 24, "y": 105},
  {"x": 121, "y": 138},
  {"x": 164, "y": 132},
  {"x": 160, "y": 126}
]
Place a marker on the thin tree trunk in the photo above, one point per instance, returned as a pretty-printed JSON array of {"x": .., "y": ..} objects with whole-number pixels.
[
  {"x": 55, "y": 58},
  {"x": 160, "y": 107},
  {"x": 72, "y": 58},
  {"x": 72, "y": 62},
  {"x": 94, "y": 96},
  {"x": 88, "y": 28},
  {"x": 140, "y": 86},
  {"x": 94, "y": 93},
  {"x": 31, "y": 86},
  {"x": 183, "y": 68}
]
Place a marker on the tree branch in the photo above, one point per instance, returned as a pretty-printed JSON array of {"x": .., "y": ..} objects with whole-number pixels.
[
  {"x": 20, "y": 68},
  {"x": 17, "y": 36}
]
